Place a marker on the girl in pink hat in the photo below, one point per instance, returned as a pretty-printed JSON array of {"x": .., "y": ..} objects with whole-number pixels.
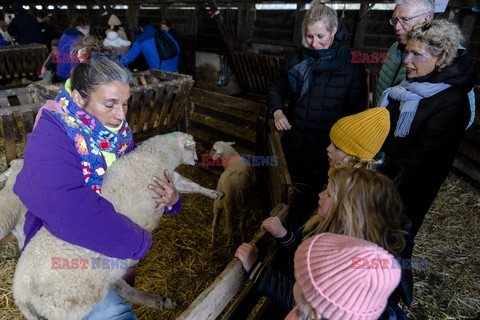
[{"x": 342, "y": 278}]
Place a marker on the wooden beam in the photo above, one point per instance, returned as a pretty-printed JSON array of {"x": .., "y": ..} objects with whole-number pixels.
[{"x": 361, "y": 25}]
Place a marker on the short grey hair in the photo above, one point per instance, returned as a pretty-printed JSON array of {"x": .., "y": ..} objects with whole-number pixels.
[
  {"x": 441, "y": 38},
  {"x": 319, "y": 12},
  {"x": 428, "y": 6},
  {"x": 86, "y": 77}
]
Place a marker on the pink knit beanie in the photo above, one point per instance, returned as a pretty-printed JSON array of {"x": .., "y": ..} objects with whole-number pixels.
[{"x": 344, "y": 277}]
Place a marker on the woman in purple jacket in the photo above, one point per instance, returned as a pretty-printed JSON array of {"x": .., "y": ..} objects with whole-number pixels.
[{"x": 77, "y": 137}]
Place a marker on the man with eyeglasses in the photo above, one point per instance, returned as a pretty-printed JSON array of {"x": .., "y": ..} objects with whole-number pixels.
[{"x": 406, "y": 14}]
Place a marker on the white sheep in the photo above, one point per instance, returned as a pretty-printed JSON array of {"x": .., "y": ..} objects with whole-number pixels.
[
  {"x": 237, "y": 182},
  {"x": 42, "y": 292},
  {"x": 12, "y": 210}
]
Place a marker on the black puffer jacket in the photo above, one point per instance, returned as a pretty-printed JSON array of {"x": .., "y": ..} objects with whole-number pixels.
[
  {"x": 332, "y": 95},
  {"x": 426, "y": 154},
  {"x": 25, "y": 28}
]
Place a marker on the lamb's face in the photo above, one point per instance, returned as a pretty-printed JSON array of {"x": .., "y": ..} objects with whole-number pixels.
[
  {"x": 221, "y": 148},
  {"x": 217, "y": 150},
  {"x": 189, "y": 152}
]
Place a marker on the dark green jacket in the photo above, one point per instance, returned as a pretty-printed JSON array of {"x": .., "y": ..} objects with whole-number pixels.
[{"x": 392, "y": 71}]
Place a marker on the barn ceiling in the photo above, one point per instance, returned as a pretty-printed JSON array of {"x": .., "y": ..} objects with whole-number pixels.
[{"x": 6, "y": 4}]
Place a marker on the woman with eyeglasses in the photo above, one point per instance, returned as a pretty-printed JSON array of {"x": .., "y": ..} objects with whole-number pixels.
[
  {"x": 428, "y": 112},
  {"x": 323, "y": 85}
]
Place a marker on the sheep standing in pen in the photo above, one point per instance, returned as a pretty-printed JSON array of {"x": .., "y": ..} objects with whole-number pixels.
[
  {"x": 58, "y": 280},
  {"x": 237, "y": 182},
  {"x": 12, "y": 210}
]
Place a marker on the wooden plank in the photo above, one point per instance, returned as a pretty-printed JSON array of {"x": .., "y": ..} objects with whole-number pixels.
[
  {"x": 227, "y": 117},
  {"x": 225, "y": 135},
  {"x": 210, "y": 303},
  {"x": 8, "y": 133},
  {"x": 468, "y": 167},
  {"x": 157, "y": 106},
  {"x": 206, "y": 97}
]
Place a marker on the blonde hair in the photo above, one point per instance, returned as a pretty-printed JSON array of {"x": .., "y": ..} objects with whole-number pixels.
[
  {"x": 366, "y": 205},
  {"x": 441, "y": 38},
  {"x": 307, "y": 311},
  {"x": 319, "y": 12}
]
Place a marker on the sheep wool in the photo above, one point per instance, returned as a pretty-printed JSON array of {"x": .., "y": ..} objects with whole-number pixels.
[
  {"x": 44, "y": 289},
  {"x": 362, "y": 134},
  {"x": 237, "y": 182}
]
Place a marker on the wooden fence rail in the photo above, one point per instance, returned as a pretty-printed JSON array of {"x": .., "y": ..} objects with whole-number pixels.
[{"x": 157, "y": 105}]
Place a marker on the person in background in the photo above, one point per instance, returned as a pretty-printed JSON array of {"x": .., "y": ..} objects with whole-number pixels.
[
  {"x": 46, "y": 28},
  {"x": 324, "y": 86},
  {"x": 428, "y": 113},
  {"x": 343, "y": 278},
  {"x": 23, "y": 27},
  {"x": 64, "y": 161},
  {"x": 114, "y": 40},
  {"x": 3, "y": 42},
  {"x": 145, "y": 44},
  {"x": 7, "y": 39},
  {"x": 79, "y": 27},
  {"x": 116, "y": 25},
  {"x": 167, "y": 26}
]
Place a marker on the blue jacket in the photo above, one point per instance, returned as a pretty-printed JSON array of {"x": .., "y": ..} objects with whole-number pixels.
[
  {"x": 145, "y": 44},
  {"x": 65, "y": 62}
]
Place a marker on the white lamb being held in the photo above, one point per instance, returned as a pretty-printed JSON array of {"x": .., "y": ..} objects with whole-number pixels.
[
  {"x": 237, "y": 182},
  {"x": 43, "y": 292}
]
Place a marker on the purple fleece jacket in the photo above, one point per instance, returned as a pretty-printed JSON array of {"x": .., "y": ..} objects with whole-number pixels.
[{"x": 51, "y": 186}]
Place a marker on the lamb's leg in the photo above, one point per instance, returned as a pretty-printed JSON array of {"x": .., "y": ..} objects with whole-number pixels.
[
  {"x": 136, "y": 296},
  {"x": 217, "y": 213},
  {"x": 185, "y": 185}
]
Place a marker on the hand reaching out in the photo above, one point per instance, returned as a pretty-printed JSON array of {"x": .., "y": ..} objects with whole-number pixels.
[
  {"x": 281, "y": 122},
  {"x": 247, "y": 253},
  {"x": 273, "y": 226},
  {"x": 168, "y": 194}
]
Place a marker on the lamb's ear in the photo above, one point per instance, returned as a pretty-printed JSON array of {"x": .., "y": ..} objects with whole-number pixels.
[
  {"x": 231, "y": 143},
  {"x": 189, "y": 143}
]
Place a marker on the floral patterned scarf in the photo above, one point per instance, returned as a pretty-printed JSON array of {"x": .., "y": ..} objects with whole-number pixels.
[{"x": 91, "y": 138}]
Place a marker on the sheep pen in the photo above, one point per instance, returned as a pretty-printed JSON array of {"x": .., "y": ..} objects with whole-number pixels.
[{"x": 181, "y": 263}]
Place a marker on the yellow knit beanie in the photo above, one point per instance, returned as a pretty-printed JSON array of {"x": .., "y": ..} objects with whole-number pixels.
[{"x": 362, "y": 134}]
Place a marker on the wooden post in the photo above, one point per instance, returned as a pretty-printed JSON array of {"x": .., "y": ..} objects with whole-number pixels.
[
  {"x": 199, "y": 12},
  {"x": 242, "y": 26},
  {"x": 361, "y": 25},
  {"x": 297, "y": 31},
  {"x": 132, "y": 16},
  {"x": 250, "y": 21}
]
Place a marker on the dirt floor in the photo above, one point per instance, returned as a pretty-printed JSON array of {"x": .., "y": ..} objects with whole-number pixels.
[{"x": 182, "y": 263}]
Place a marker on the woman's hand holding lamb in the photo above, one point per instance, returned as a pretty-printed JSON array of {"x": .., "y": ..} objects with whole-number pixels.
[
  {"x": 247, "y": 253},
  {"x": 281, "y": 122},
  {"x": 168, "y": 194},
  {"x": 273, "y": 226}
]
